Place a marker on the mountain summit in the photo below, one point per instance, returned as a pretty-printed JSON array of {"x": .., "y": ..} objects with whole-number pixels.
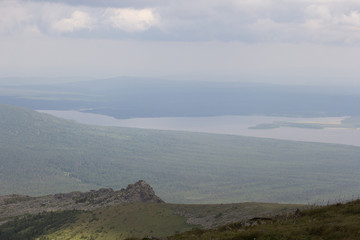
[{"x": 140, "y": 191}]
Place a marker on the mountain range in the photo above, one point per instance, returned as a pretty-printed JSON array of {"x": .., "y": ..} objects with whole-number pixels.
[{"x": 130, "y": 97}]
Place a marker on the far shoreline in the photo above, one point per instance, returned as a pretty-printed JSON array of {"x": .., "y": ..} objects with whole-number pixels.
[{"x": 234, "y": 125}]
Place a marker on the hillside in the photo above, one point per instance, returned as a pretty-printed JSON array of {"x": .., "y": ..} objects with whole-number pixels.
[
  {"x": 106, "y": 218},
  {"x": 41, "y": 154},
  {"x": 334, "y": 222},
  {"x": 135, "y": 220},
  {"x": 242, "y": 221},
  {"x": 16, "y": 205}
]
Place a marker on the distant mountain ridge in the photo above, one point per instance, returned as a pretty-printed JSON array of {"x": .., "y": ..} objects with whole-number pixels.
[
  {"x": 14, "y": 205},
  {"x": 131, "y": 97}
]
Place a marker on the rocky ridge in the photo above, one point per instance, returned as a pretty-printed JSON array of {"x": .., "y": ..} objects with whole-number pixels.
[{"x": 14, "y": 205}]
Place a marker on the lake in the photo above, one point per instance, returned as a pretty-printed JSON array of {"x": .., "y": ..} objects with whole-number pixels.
[{"x": 235, "y": 125}]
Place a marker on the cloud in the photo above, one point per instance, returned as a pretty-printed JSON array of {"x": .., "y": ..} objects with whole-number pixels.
[
  {"x": 13, "y": 16},
  {"x": 296, "y": 21},
  {"x": 109, "y": 3},
  {"x": 78, "y": 20},
  {"x": 292, "y": 40},
  {"x": 332, "y": 23},
  {"x": 131, "y": 20}
]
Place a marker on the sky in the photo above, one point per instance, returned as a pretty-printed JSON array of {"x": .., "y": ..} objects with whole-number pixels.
[{"x": 275, "y": 41}]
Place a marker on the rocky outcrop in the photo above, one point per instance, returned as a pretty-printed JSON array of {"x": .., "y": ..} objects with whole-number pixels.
[
  {"x": 140, "y": 192},
  {"x": 13, "y": 205}
]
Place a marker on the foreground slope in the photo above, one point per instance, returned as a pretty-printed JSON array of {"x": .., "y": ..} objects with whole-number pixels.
[
  {"x": 106, "y": 214},
  {"x": 41, "y": 154},
  {"x": 134, "y": 220},
  {"x": 334, "y": 222},
  {"x": 243, "y": 221}
]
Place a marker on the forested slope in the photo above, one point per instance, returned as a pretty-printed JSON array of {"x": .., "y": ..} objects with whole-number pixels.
[{"x": 41, "y": 154}]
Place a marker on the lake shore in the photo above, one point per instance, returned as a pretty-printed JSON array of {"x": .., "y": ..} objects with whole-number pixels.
[{"x": 234, "y": 125}]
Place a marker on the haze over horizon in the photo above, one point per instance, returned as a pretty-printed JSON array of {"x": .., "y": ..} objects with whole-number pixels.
[{"x": 287, "y": 42}]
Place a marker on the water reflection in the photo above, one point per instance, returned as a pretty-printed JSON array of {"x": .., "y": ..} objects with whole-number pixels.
[{"x": 236, "y": 125}]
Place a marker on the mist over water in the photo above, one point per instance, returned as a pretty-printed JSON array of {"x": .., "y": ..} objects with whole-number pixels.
[{"x": 235, "y": 125}]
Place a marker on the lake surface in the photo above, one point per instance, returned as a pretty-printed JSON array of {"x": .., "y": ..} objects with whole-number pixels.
[{"x": 235, "y": 125}]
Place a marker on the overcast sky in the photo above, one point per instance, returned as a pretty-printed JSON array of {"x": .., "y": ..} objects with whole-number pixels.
[{"x": 289, "y": 41}]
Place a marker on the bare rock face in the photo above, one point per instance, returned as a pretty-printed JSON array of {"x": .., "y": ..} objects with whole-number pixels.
[
  {"x": 13, "y": 205},
  {"x": 140, "y": 192},
  {"x": 137, "y": 192}
]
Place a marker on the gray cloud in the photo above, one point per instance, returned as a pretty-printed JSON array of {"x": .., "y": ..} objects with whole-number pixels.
[
  {"x": 271, "y": 40},
  {"x": 107, "y": 3},
  {"x": 318, "y": 21}
]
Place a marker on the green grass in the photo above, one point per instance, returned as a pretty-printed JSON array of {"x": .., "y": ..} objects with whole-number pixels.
[
  {"x": 335, "y": 222},
  {"x": 133, "y": 220},
  {"x": 339, "y": 221},
  {"x": 41, "y": 154},
  {"x": 31, "y": 226}
]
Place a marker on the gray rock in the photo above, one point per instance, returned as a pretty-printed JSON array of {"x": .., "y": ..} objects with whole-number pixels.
[{"x": 14, "y": 205}]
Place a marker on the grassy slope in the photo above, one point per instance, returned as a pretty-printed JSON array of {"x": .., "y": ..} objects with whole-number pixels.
[
  {"x": 335, "y": 222},
  {"x": 133, "y": 220},
  {"x": 41, "y": 154}
]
